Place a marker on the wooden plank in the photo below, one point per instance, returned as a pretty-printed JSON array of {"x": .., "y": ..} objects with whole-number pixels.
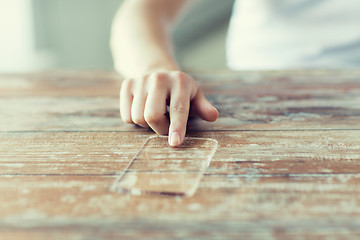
[
  {"x": 31, "y": 201},
  {"x": 67, "y": 153},
  {"x": 287, "y": 166},
  {"x": 299, "y": 205},
  {"x": 210, "y": 231},
  {"x": 136, "y": 230},
  {"x": 280, "y": 100},
  {"x": 239, "y": 152},
  {"x": 61, "y": 100},
  {"x": 60, "y": 84},
  {"x": 283, "y": 100},
  {"x": 297, "y": 200}
]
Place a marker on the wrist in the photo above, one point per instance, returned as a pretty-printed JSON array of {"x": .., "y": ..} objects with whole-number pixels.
[{"x": 161, "y": 67}]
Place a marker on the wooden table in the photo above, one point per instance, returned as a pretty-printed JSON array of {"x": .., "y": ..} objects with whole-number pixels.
[{"x": 287, "y": 164}]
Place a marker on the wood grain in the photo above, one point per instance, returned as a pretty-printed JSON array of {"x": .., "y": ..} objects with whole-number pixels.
[
  {"x": 106, "y": 153},
  {"x": 269, "y": 100},
  {"x": 287, "y": 165}
]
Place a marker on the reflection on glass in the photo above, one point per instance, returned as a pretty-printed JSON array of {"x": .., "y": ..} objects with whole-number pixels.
[{"x": 162, "y": 170}]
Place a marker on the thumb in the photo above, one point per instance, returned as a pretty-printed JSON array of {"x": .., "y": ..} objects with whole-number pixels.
[{"x": 203, "y": 108}]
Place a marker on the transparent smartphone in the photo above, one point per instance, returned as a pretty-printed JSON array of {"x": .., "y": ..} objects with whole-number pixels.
[{"x": 163, "y": 170}]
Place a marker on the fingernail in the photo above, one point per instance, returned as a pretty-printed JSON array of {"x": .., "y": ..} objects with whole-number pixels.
[
  {"x": 174, "y": 139},
  {"x": 216, "y": 109}
]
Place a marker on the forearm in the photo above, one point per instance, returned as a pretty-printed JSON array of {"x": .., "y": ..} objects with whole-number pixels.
[{"x": 141, "y": 40}]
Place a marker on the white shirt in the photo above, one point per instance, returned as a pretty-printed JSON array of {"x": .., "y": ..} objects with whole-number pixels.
[{"x": 282, "y": 34}]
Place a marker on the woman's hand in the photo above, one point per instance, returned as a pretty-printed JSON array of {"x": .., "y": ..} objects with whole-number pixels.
[
  {"x": 144, "y": 101},
  {"x": 141, "y": 43}
]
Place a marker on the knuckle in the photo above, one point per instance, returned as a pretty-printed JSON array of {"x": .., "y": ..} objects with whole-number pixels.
[
  {"x": 183, "y": 80},
  {"x": 182, "y": 77},
  {"x": 140, "y": 85},
  {"x": 159, "y": 75},
  {"x": 159, "y": 79},
  {"x": 180, "y": 108},
  {"x": 152, "y": 118},
  {"x": 142, "y": 81},
  {"x": 138, "y": 120},
  {"x": 127, "y": 85}
]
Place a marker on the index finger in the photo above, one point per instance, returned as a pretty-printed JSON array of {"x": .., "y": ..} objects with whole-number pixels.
[{"x": 179, "y": 112}]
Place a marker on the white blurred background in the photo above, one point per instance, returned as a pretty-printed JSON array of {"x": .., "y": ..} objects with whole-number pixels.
[{"x": 74, "y": 34}]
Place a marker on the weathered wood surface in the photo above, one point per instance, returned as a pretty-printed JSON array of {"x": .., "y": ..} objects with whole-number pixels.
[
  {"x": 89, "y": 101},
  {"x": 287, "y": 164}
]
